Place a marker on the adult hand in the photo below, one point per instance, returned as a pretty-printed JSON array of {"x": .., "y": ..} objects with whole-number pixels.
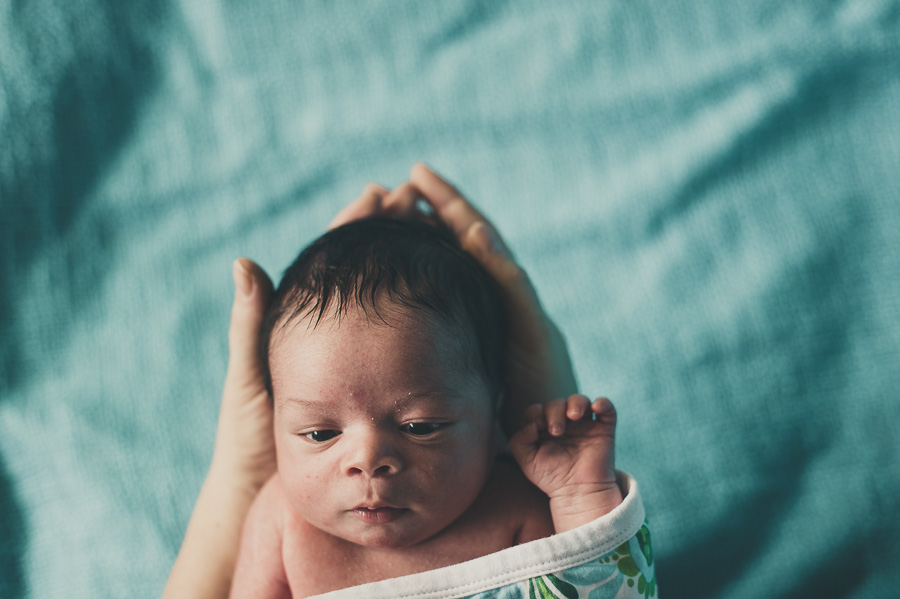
[
  {"x": 538, "y": 368},
  {"x": 244, "y": 456},
  {"x": 245, "y": 449}
]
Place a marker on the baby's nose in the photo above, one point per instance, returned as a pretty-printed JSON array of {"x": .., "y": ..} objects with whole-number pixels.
[{"x": 373, "y": 455}]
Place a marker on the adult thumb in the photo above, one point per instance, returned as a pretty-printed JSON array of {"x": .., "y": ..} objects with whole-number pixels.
[{"x": 253, "y": 290}]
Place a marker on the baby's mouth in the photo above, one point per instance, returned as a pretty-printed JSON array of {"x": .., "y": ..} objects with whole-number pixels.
[{"x": 378, "y": 514}]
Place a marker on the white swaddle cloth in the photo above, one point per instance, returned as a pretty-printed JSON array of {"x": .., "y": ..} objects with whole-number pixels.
[{"x": 609, "y": 557}]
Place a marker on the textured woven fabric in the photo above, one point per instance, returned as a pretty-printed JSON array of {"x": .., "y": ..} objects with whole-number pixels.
[{"x": 706, "y": 194}]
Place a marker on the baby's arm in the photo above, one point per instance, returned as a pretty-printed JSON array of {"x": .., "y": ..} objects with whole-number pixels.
[
  {"x": 260, "y": 567},
  {"x": 573, "y": 463}
]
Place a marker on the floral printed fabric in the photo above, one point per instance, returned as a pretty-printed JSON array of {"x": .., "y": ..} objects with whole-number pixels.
[{"x": 625, "y": 572}]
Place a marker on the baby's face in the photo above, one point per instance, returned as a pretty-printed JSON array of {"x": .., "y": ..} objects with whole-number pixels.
[{"x": 384, "y": 435}]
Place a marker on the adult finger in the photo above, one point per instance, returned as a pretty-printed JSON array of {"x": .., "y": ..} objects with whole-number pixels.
[
  {"x": 368, "y": 204},
  {"x": 482, "y": 242},
  {"x": 477, "y": 236},
  {"x": 402, "y": 201},
  {"x": 450, "y": 204}
]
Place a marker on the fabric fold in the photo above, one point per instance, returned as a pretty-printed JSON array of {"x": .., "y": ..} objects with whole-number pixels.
[{"x": 609, "y": 557}]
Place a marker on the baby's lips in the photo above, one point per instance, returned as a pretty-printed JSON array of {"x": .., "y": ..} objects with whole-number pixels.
[
  {"x": 379, "y": 515},
  {"x": 375, "y": 505}
]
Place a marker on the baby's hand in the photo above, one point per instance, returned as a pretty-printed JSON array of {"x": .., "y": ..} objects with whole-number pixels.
[{"x": 567, "y": 449}]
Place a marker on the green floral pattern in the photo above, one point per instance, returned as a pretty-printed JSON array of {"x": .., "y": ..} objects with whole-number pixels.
[
  {"x": 625, "y": 572},
  {"x": 550, "y": 587}
]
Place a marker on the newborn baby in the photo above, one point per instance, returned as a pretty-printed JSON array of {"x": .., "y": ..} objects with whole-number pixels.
[{"x": 385, "y": 351}]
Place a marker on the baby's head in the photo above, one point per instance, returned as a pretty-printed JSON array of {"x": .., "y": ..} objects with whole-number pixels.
[{"x": 384, "y": 353}]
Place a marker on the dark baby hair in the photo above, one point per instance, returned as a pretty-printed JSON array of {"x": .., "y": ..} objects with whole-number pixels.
[{"x": 383, "y": 262}]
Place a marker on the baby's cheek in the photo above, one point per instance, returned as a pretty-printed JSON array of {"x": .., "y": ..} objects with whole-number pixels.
[
  {"x": 300, "y": 478},
  {"x": 468, "y": 468}
]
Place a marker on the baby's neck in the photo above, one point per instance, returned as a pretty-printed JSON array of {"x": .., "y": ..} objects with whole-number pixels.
[{"x": 314, "y": 558}]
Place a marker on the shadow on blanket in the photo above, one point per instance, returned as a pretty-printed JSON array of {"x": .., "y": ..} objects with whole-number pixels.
[
  {"x": 95, "y": 104},
  {"x": 12, "y": 531}
]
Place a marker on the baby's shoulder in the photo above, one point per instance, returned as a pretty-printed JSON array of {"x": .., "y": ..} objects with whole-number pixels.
[
  {"x": 271, "y": 498},
  {"x": 512, "y": 497},
  {"x": 267, "y": 501},
  {"x": 271, "y": 504}
]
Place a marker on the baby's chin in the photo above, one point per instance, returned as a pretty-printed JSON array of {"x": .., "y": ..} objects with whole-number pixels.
[{"x": 394, "y": 535}]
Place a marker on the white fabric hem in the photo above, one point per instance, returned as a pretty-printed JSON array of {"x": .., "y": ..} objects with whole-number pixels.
[{"x": 515, "y": 564}]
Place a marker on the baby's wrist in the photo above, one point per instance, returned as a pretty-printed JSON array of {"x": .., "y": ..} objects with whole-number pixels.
[{"x": 577, "y": 505}]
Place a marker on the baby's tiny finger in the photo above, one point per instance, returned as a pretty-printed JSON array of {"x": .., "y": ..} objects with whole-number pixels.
[
  {"x": 577, "y": 405},
  {"x": 522, "y": 445},
  {"x": 525, "y": 437},
  {"x": 604, "y": 409},
  {"x": 535, "y": 414},
  {"x": 555, "y": 410}
]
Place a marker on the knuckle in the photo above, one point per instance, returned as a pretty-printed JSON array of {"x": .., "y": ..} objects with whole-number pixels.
[
  {"x": 557, "y": 405},
  {"x": 406, "y": 189},
  {"x": 517, "y": 275}
]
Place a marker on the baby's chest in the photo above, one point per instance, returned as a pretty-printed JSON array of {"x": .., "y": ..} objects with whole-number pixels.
[{"x": 315, "y": 562}]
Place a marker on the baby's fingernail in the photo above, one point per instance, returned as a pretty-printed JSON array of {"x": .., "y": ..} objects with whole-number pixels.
[
  {"x": 556, "y": 429},
  {"x": 242, "y": 279}
]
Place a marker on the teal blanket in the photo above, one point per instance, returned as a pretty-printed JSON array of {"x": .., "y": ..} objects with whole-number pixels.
[{"x": 706, "y": 194}]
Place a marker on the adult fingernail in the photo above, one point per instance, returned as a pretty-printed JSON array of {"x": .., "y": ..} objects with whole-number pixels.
[
  {"x": 243, "y": 282},
  {"x": 375, "y": 190},
  {"x": 485, "y": 238}
]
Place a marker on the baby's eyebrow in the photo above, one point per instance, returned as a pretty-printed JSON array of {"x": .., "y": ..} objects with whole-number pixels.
[
  {"x": 295, "y": 403},
  {"x": 300, "y": 402},
  {"x": 431, "y": 397},
  {"x": 437, "y": 398}
]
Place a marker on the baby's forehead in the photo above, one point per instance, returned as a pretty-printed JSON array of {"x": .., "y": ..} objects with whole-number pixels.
[
  {"x": 403, "y": 351},
  {"x": 381, "y": 312},
  {"x": 360, "y": 325}
]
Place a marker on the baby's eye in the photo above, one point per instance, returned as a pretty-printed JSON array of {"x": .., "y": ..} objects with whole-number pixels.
[
  {"x": 421, "y": 429},
  {"x": 321, "y": 436}
]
